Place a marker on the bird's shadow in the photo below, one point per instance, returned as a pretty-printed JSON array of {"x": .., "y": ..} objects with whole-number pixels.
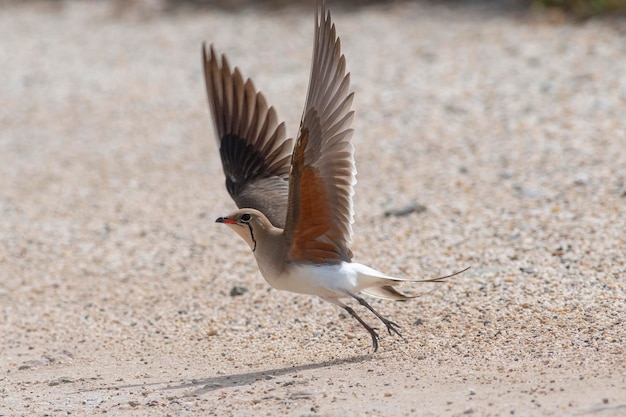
[{"x": 205, "y": 385}]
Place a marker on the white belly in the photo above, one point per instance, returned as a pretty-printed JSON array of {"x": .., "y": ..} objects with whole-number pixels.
[{"x": 324, "y": 280}]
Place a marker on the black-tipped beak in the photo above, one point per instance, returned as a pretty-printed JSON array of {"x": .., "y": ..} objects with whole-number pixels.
[{"x": 225, "y": 220}]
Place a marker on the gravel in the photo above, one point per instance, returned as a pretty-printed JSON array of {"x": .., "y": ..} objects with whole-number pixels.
[{"x": 115, "y": 282}]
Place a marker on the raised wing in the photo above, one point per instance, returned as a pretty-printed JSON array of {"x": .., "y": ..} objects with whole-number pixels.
[
  {"x": 254, "y": 151},
  {"x": 321, "y": 183}
]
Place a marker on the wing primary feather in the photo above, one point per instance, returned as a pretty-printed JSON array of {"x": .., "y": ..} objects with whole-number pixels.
[{"x": 253, "y": 145}]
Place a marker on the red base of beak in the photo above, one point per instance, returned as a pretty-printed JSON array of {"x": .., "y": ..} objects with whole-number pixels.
[{"x": 225, "y": 220}]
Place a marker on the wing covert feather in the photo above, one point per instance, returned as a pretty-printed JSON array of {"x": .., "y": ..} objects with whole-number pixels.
[{"x": 320, "y": 211}]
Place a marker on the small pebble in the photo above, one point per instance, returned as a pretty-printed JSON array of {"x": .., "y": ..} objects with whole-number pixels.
[
  {"x": 236, "y": 291},
  {"x": 406, "y": 210}
]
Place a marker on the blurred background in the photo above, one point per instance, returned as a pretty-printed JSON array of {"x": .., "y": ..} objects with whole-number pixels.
[{"x": 557, "y": 9}]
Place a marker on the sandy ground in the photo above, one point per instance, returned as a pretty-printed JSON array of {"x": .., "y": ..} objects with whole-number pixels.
[{"x": 115, "y": 281}]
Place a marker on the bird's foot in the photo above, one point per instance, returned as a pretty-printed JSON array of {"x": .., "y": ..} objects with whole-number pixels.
[
  {"x": 375, "y": 338},
  {"x": 371, "y": 331},
  {"x": 391, "y": 326}
]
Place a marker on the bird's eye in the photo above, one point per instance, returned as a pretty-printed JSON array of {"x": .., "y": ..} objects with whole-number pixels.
[{"x": 246, "y": 217}]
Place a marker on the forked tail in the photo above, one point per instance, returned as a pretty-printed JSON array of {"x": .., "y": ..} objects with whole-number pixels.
[{"x": 388, "y": 292}]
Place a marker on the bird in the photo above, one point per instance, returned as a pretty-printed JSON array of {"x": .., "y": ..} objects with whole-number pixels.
[{"x": 295, "y": 198}]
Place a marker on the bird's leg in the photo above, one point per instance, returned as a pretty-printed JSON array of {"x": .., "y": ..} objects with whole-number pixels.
[
  {"x": 371, "y": 331},
  {"x": 391, "y": 326},
  {"x": 350, "y": 311}
]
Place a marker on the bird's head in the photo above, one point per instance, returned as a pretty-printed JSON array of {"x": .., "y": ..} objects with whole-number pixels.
[{"x": 247, "y": 223}]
